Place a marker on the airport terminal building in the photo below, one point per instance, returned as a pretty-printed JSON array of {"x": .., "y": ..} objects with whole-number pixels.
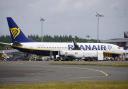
[{"x": 122, "y": 42}]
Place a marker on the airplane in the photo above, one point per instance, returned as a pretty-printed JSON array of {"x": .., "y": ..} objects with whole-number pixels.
[{"x": 61, "y": 50}]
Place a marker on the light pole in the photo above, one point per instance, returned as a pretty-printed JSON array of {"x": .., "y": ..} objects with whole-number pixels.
[
  {"x": 42, "y": 20},
  {"x": 98, "y": 18}
]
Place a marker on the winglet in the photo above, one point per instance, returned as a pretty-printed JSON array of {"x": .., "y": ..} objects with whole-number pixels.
[{"x": 76, "y": 47}]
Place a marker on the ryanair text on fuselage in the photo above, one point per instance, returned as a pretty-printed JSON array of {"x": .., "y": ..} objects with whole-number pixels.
[{"x": 91, "y": 47}]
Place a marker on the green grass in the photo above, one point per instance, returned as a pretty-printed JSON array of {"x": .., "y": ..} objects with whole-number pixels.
[
  {"x": 70, "y": 85},
  {"x": 98, "y": 63}
]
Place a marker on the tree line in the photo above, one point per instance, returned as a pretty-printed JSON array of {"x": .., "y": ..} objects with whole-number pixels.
[
  {"x": 49, "y": 38},
  {"x": 59, "y": 38}
]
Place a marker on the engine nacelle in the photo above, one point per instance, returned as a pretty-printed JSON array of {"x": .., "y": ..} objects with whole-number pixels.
[{"x": 80, "y": 54}]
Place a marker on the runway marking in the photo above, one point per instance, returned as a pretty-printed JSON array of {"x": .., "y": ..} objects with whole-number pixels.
[{"x": 91, "y": 69}]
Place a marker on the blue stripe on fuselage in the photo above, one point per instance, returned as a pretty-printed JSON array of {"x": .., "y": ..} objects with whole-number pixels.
[{"x": 36, "y": 51}]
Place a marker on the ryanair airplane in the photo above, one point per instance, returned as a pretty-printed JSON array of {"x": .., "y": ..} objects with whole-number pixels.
[{"x": 59, "y": 49}]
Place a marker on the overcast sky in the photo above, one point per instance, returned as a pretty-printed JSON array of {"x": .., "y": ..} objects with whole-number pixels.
[{"x": 66, "y": 17}]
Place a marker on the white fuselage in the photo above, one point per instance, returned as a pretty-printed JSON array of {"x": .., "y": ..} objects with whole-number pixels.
[
  {"x": 64, "y": 49},
  {"x": 56, "y": 46}
]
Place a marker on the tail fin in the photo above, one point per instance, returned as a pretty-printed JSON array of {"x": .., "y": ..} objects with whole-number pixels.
[{"x": 16, "y": 34}]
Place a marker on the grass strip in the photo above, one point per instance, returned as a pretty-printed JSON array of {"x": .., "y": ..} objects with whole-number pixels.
[
  {"x": 70, "y": 85},
  {"x": 98, "y": 63}
]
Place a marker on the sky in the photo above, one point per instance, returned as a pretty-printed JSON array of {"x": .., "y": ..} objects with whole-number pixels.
[{"x": 66, "y": 17}]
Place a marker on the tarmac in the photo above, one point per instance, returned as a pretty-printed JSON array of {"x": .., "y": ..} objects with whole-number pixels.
[{"x": 40, "y": 72}]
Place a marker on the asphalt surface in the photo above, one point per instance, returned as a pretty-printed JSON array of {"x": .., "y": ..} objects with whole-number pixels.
[{"x": 38, "y": 72}]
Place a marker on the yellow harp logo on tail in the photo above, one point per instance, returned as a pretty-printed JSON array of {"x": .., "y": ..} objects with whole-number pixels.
[{"x": 15, "y": 32}]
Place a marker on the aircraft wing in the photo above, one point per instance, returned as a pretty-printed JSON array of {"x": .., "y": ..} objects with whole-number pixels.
[{"x": 3, "y": 43}]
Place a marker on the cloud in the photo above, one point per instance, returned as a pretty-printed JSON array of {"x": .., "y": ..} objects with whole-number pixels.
[
  {"x": 67, "y": 16},
  {"x": 74, "y": 5}
]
